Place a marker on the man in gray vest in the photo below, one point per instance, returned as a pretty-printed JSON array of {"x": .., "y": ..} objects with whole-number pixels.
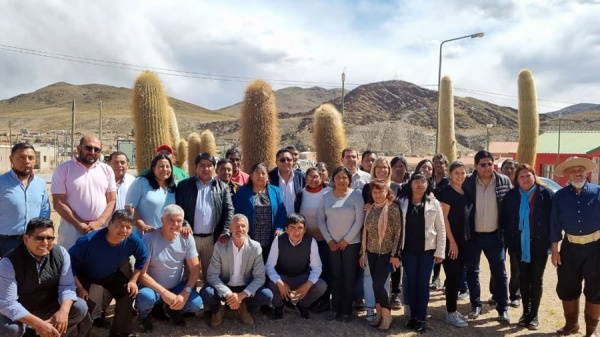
[
  {"x": 37, "y": 289},
  {"x": 294, "y": 267}
]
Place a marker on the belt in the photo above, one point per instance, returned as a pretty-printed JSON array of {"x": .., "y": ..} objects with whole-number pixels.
[
  {"x": 17, "y": 237},
  {"x": 203, "y": 235},
  {"x": 583, "y": 239}
]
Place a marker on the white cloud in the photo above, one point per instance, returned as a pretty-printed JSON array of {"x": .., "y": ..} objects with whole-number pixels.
[{"x": 309, "y": 41}]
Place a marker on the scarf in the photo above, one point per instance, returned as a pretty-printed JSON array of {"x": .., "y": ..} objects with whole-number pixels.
[
  {"x": 381, "y": 224},
  {"x": 524, "y": 223},
  {"x": 314, "y": 190}
]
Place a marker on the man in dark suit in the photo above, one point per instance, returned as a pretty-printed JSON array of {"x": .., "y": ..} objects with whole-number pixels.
[
  {"x": 208, "y": 208},
  {"x": 289, "y": 180},
  {"x": 236, "y": 275}
]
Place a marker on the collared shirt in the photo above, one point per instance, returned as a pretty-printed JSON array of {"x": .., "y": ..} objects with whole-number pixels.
[
  {"x": 360, "y": 179},
  {"x": 9, "y": 299},
  {"x": 203, "y": 223},
  {"x": 237, "y": 274},
  {"x": 84, "y": 188},
  {"x": 19, "y": 204},
  {"x": 576, "y": 214},
  {"x": 287, "y": 192},
  {"x": 316, "y": 266},
  {"x": 486, "y": 212},
  {"x": 122, "y": 189}
]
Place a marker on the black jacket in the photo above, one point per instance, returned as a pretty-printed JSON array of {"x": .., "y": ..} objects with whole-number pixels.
[
  {"x": 540, "y": 233},
  {"x": 503, "y": 185},
  {"x": 299, "y": 179},
  {"x": 220, "y": 198}
]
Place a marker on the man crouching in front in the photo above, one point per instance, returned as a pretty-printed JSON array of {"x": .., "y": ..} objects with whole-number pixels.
[
  {"x": 96, "y": 259},
  {"x": 236, "y": 275},
  {"x": 37, "y": 290}
]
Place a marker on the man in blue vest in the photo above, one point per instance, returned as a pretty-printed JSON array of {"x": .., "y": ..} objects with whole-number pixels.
[
  {"x": 294, "y": 267},
  {"x": 37, "y": 289}
]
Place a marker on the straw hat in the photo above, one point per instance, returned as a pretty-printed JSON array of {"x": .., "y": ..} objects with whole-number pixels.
[{"x": 572, "y": 162}]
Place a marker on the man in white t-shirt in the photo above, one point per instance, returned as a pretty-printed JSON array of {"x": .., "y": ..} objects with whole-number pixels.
[{"x": 162, "y": 277}]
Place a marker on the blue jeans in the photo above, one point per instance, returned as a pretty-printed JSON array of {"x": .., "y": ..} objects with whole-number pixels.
[
  {"x": 418, "y": 269},
  {"x": 491, "y": 246},
  {"x": 148, "y": 298},
  {"x": 212, "y": 300}
]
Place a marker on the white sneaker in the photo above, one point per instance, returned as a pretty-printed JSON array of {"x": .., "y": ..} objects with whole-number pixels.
[
  {"x": 455, "y": 320},
  {"x": 370, "y": 314},
  {"x": 462, "y": 317}
]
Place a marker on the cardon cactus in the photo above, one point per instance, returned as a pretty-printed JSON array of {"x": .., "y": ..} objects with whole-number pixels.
[
  {"x": 329, "y": 138},
  {"x": 529, "y": 121},
  {"x": 207, "y": 142},
  {"x": 181, "y": 153},
  {"x": 447, "y": 136},
  {"x": 150, "y": 109},
  {"x": 193, "y": 150},
  {"x": 260, "y": 136},
  {"x": 174, "y": 128}
]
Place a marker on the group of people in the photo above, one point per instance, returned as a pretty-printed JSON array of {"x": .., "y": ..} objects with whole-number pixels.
[{"x": 316, "y": 240}]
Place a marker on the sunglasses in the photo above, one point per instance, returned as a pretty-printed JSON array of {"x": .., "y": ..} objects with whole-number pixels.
[
  {"x": 40, "y": 238},
  {"x": 486, "y": 164},
  {"x": 92, "y": 148},
  {"x": 283, "y": 160}
]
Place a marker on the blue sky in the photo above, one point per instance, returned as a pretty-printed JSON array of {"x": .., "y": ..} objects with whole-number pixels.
[{"x": 309, "y": 43}]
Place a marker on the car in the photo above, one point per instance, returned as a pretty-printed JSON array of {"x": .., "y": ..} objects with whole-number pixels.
[{"x": 550, "y": 184}]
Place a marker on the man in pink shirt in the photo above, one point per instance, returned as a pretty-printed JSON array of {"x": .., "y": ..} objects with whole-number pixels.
[
  {"x": 237, "y": 175},
  {"x": 83, "y": 192}
]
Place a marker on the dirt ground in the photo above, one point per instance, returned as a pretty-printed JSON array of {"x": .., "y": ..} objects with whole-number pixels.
[{"x": 550, "y": 317}]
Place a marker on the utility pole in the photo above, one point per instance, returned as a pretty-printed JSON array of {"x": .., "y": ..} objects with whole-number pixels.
[
  {"x": 74, "y": 108},
  {"x": 100, "y": 126},
  {"x": 558, "y": 150},
  {"x": 343, "y": 80},
  {"x": 10, "y": 133}
]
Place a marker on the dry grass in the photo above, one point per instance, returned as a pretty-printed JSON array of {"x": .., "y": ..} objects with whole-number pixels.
[{"x": 550, "y": 316}]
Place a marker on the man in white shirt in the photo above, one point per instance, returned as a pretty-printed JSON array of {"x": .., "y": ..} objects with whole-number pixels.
[
  {"x": 120, "y": 163},
  {"x": 350, "y": 161},
  {"x": 236, "y": 275},
  {"x": 294, "y": 267}
]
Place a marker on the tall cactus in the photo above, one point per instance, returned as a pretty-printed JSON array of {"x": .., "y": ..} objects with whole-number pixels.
[
  {"x": 329, "y": 138},
  {"x": 529, "y": 121},
  {"x": 193, "y": 150},
  {"x": 174, "y": 128},
  {"x": 181, "y": 153},
  {"x": 260, "y": 136},
  {"x": 207, "y": 142},
  {"x": 150, "y": 110},
  {"x": 447, "y": 136}
]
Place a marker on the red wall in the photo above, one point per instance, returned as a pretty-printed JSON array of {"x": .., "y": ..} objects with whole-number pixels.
[{"x": 550, "y": 158}]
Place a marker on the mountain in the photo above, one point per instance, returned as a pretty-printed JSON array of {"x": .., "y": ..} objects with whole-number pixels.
[
  {"x": 394, "y": 117},
  {"x": 574, "y": 109}
]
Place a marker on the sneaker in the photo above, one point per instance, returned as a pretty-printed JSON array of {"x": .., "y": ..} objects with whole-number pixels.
[
  {"x": 396, "y": 302},
  {"x": 436, "y": 284},
  {"x": 461, "y": 316},
  {"x": 370, "y": 314},
  {"x": 464, "y": 296},
  {"x": 455, "y": 320}
]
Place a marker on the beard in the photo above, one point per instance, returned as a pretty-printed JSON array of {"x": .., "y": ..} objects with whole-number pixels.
[
  {"x": 22, "y": 174},
  {"x": 88, "y": 159},
  {"x": 577, "y": 185}
]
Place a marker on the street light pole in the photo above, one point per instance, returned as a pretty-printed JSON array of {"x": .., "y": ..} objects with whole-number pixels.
[
  {"x": 437, "y": 123},
  {"x": 488, "y": 127},
  {"x": 343, "y": 80}
]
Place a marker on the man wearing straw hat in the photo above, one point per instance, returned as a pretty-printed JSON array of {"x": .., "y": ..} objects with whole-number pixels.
[{"x": 576, "y": 211}]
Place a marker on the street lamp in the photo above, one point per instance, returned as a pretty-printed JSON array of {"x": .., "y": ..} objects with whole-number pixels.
[
  {"x": 488, "y": 127},
  {"x": 437, "y": 131},
  {"x": 343, "y": 80}
]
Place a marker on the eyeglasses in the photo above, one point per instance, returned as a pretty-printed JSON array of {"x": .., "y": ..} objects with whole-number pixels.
[
  {"x": 486, "y": 164},
  {"x": 40, "y": 238},
  {"x": 92, "y": 148},
  {"x": 285, "y": 159}
]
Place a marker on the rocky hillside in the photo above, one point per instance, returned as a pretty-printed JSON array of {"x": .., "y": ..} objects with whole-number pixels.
[{"x": 574, "y": 109}]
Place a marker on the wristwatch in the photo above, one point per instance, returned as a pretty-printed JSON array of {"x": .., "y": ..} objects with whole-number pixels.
[{"x": 188, "y": 289}]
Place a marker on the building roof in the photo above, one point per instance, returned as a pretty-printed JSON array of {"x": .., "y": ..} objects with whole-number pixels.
[{"x": 572, "y": 142}]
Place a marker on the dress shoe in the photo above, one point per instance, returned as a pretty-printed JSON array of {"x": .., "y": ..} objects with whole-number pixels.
[
  {"x": 146, "y": 325},
  {"x": 101, "y": 323},
  {"x": 345, "y": 318},
  {"x": 217, "y": 317},
  {"x": 177, "y": 318},
  {"x": 332, "y": 316},
  {"x": 533, "y": 324},
  {"x": 303, "y": 312},
  {"x": 503, "y": 317},
  {"x": 492, "y": 301},
  {"x": 411, "y": 324},
  {"x": 523, "y": 320},
  {"x": 322, "y": 306},
  {"x": 515, "y": 303},
  {"x": 278, "y": 313},
  {"x": 245, "y": 315},
  {"x": 421, "y": 327},
  {"x": 475, "y": 312}
]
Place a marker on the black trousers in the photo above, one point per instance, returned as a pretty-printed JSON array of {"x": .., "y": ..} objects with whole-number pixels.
[
  {"x": 116, "y": 284},
  {"x": 454, "y": 270},
  {"x": 531, "y": 278},
  {"x": 514, "y": 291},
  {"x": 344, "y": 265},
  {"x": 579, "y": 263},
  {"x": 378, "y": 266}
]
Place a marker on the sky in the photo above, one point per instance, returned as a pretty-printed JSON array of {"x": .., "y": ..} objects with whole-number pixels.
[{"x": 206, "y": 52}]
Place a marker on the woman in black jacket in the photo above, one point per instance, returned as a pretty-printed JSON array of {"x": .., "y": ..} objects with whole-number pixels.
[{"x": 526, "y": 230}]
